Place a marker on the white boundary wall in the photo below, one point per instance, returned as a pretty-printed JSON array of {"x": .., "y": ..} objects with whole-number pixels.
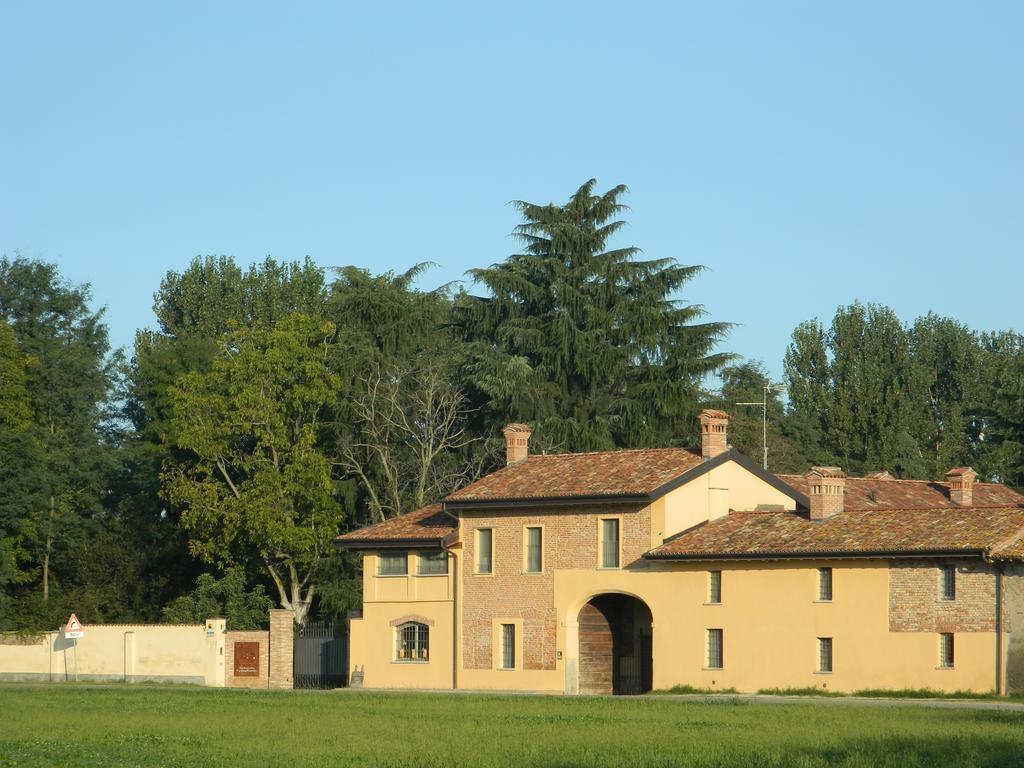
[{"x": 127, "y": 652}]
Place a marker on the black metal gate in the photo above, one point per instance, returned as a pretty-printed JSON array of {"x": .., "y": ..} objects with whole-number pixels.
[
  {"x": 632, "y": 674},
  {"x": 320, "y": 656}
]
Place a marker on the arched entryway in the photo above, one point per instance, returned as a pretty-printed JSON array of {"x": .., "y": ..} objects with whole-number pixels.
[{"x": 615, "y": 645}]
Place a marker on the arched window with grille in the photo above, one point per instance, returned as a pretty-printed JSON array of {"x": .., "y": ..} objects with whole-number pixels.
[{"x": 412, "y": 642}]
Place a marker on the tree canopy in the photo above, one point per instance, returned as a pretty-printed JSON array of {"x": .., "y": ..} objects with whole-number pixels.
[
  {"x": 271, "y": 407},
  {"x": 254, "y": 483},
  {"x": 585, "y": 340}
]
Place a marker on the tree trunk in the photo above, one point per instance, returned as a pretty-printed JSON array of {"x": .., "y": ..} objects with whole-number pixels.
[
  {"x": 46, "y": 553},
  {"x": 290, "y": 597}
]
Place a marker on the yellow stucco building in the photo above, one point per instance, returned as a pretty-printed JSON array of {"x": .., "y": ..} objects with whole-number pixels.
[{"x": 623, "y": 571}]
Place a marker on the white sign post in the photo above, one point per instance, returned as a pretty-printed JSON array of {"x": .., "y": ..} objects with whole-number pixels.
[{"x": 74, "y": 630}]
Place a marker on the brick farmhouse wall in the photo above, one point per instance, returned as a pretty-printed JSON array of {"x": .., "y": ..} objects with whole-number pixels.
[
  {"x": 916, "y": 605},
  {"x": 570, "y": 540}
]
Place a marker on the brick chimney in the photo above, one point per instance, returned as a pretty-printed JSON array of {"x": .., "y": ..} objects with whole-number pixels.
[
  {"x": 517, "y": 443},
  {"x": 961, "y": 485},
  {"x": 714, "y": 433},
  {"x": 827, "y": 485}
]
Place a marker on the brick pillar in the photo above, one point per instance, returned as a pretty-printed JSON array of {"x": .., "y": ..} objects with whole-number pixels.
[
  {"x": 282, "y": 640},
  {"x": 714, "y": 433},
  {"x": 827, "y": 486}
]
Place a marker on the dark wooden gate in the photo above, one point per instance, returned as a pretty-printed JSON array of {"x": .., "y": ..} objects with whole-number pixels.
[
  {"x": 615, "y": 646},
  {"x": 320, "y": 656}
]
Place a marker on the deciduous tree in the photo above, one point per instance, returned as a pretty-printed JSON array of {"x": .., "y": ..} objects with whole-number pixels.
[{"x": 255, "y": 483}]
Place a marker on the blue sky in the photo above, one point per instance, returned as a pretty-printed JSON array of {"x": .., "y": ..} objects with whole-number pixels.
[{"x": 809, "y": 154}]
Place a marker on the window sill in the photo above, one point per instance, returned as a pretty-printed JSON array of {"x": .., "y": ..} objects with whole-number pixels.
[
  {"x": 946, "y": 669},
  {"x": 392, "y": 575},
  {"x": 718, "y": 603},
  {"x": 823, "y": 602},
  {"x": 483, "y": 573},
  {"x": 533, "y": 573},
  {"x": 410, "y": 661},
  {"x": 505, "y": 669},
  {"x": 609, "y": 567},
  {"x": 823, "y": 672},
  {"x": 712, "y": 669},
  {"x": 429, "y": 575}
]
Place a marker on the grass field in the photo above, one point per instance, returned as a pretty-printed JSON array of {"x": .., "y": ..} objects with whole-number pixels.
[{"x": 156, "y": 726}]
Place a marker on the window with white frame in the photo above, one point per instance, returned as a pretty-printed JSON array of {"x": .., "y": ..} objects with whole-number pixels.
[
  {"x": 947, "y": 582},
  {"x": 484, "y": 550},
  {"x": 508, "y": 646},
  {"x": 824, "y": 654},
  {"x": 392, "y": 564},
  {"x": 714, "y": 586},
  {"x": 432, "y": 563},
  {"x": 412, "y": 642},
  {"x": 825, "y": 584},
  {"x": 534, "y": 549},
  {"x": 610, "y": 543},
  {"x": 715, "y": 654},
  {"x": 946, "y": 650}
]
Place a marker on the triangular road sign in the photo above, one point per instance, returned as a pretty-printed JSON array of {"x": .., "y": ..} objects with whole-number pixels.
[{"x": 74, "y": 627}]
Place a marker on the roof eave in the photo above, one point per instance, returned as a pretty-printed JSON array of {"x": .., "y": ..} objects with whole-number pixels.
[
  {"x": 545, "y": 501},
  {"x": 817, "y": 555},
  {"x": 396, "y": 543}
]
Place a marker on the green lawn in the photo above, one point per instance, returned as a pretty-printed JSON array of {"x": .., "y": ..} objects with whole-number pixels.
[{"x": 165, "y": 726}]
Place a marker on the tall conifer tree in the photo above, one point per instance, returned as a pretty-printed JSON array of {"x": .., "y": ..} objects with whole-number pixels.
[{"x": 584, "y": 339}]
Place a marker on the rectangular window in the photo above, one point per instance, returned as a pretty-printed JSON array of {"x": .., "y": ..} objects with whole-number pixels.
[
  {"x": 825, "y": 584},
  {"x": 610, "y": 543},
  {"x": 432, "y": 563},
  {"x": 948, "y": 582},
  {"x": 824, "y": 654},
  {"x": 714, "y": 586},
  {"x": 392, "y": 564},
  {"x": 946, "y": 650},
  {"x": 534, "y": 547},
  {"x": 715, "y": 656},
  {"x": 508, "y": 646},
  {"x": 484, "y": 547}
]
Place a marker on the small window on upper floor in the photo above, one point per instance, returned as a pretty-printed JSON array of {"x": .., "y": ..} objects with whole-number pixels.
[
  {"x": 948, "y": 582},
  {"x": 393, "y": 564},
  {"x": 484, "y": 550},
  {"x": 610, "y": 543},
  {"x": 432, "y": 563},
  {"x": 825, "y": 584},
  {"x": 714, "y": 586},
  {"x": 534, "y": 549}
]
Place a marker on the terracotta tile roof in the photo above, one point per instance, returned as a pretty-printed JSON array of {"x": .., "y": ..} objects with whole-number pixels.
[
  {"x": 425, "y": 525},
  {"x": 864, "y": 493},
  {"x": 566, "y": 475},
  {"x": 1000, "y": 532}
]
